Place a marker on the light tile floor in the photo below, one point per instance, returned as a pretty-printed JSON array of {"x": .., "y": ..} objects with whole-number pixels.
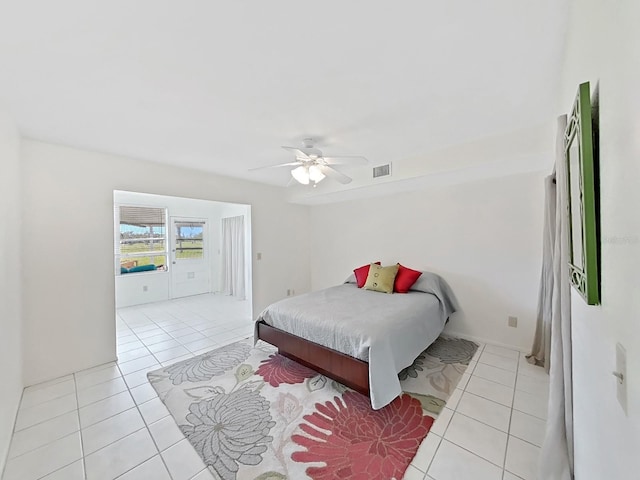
[
  {"x": 107, "y": 422},
  {"x": 493, "y": 425}
]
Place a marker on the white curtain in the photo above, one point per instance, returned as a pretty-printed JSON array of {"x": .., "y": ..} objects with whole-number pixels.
[
  {"x": 556, "y": 457},
  {"x": 233, "y": 254}
]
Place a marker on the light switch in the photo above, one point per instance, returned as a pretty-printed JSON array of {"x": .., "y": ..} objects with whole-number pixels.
[
  {"x": 621, "y": 376},
  {"x": 259, "y": 256}
]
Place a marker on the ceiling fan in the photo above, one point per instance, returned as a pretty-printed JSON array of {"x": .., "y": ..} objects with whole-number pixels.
[{"x": 311, "y": 166}]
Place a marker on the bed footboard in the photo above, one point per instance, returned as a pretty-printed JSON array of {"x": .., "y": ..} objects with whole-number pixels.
[{"x": 349, "y": 371}]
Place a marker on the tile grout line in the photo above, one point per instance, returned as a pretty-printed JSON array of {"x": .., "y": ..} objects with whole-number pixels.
[
  {"x": 96, "y": 369},
  {"x": 525, "y": 441},
  {"x": 472, "y": 453},
  {"x": 480, "y": 421},
  {"x": 500, "y": 368},
  {"x": 41, "y": 422},
  {"x": 108, "y": 396},
  {"x": 141, "y": 341},
  {"x": 504, "y": 356},
  {"x": 193, "y": 326},
  {"x": 509, "y": 427},
  {"x": 13, "y": 432},
  {"x": 86, "y": 427},
  {"x": 47, "y": 383},
  {"x": 530, "y": 414},
  {"x": 115, "y": 441},
  {"x": 499, "y": 383},
  {"x": 514, "y": 391},
  {"x": 434, "y": 454},
  {"x": 513, "y": 399},
  {"x": 44, "y": 401},
  {"x": 80, "y": 428},
  {"x": 84, "y": 466},
  {"x": 49, "y": 443},
  {"x": 491, "y": 400},
  {"x": 127, "y": 435},
  {"x": 191, "y": 354},
  {"x": 527, "y": 413},
  {"x": 511, "y": 473},
  {"x": 146, "y": 425},
  {"x": 183, "y": 345},
  {"x": 454, "y": 411},
  {"x": 75, "y": 377}
]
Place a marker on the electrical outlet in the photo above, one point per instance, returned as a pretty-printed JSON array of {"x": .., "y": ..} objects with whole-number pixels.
[
  {"x": 145, "y": 288},
  {"x": 513, "y": 322},
  {"x": 621, "y": 376},
  {"x": 288, "y": 292}
]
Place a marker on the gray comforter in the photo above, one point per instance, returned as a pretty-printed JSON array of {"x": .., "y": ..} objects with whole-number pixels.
[{"x": 387, "y": 330}]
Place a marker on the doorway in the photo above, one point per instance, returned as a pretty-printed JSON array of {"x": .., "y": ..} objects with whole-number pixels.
[
  {"x": 170, "y": 302},
  {"x": 189, "y": 268},
  {"x": 170, "y": 248}
]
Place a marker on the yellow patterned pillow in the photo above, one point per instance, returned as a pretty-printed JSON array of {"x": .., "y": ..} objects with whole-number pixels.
[{"x": 380, "y": 279}]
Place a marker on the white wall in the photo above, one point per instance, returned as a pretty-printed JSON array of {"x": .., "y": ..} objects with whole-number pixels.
[
  {"x": 140, "y": 288},
  {"x": 10, "y": 284},
  {"x": 604, "y": 47},
  {"x": 69, "y": 308},
  {"x": 483, "y": 237}
]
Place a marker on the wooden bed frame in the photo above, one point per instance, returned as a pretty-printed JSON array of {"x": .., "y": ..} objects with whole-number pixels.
[{"x": 349, "y": 371}]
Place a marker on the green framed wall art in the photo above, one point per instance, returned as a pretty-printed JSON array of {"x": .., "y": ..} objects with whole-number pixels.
[{"x": 581, "y": 168}]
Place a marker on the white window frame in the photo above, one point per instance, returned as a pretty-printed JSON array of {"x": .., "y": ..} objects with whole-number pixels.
[{"x": 118, "y": 241}]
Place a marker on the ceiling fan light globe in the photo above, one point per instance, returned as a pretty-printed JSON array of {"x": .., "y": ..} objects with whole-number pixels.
[
  {"x": 315, "y": 174},
  {"x": 301, "y": 174}
]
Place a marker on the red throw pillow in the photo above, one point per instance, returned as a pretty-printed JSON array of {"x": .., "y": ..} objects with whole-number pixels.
[
  {"x": 405, "y": 278},
  {"x": 362, "y": 273}
]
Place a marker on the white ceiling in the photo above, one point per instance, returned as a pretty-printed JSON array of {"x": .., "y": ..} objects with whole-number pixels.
[{"x": 220, "y": 85}]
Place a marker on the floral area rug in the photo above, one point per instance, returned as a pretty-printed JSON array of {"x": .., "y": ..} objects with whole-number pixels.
[{"x": 253, "y": 414}]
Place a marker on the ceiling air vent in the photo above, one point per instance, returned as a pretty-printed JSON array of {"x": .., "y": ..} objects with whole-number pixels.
[{"x": 382, "y": 171}]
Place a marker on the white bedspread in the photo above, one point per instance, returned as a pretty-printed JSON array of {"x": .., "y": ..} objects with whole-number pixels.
[{"x": 387, "y": 330}]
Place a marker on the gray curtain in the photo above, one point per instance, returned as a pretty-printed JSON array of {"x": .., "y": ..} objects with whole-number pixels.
[
  {"x": 542, "y": 340},
  {"x": 233, "y": 264},
  {"x": 556, "y": 456}
]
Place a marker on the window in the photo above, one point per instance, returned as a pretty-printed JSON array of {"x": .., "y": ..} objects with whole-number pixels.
[
  {"x": 189, "y": 240},
  {"x": 143, "y": 239}
]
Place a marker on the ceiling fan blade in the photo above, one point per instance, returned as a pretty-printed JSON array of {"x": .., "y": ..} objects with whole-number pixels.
[
  {"x": 289, "y": 164},
  {"x": 346, "y": 160},
  {"x": 297, "y": 152},
  {"x": 292, "y": 181},
  {"x": 335, "y": 174}
]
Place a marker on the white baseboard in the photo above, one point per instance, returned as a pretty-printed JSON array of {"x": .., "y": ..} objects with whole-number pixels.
[{"x": 487, "y": 341}]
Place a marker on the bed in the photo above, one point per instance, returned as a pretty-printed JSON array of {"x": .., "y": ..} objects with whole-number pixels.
[{"x": 358, "y": 337}]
